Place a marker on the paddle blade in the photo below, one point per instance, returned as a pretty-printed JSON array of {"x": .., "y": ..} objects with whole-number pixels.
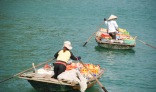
[
  {"x": 84, "y": 44},
  {"x": 104, "y": 89}
]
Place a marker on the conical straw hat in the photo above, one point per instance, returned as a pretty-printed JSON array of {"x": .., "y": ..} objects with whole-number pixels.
[{"x": 112, "y": 17}]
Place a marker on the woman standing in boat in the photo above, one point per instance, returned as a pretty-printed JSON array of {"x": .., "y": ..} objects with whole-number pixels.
[
  {"x": 62, "y": 58},
  {"x": 112, "y": 26}
]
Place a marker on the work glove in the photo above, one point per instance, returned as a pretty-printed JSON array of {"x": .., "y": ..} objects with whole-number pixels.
[
  {"x": 78, "y": 58},
  {"x": 105, "y": 19}
]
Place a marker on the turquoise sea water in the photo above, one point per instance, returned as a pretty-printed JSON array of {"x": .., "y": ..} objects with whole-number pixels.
[{"x": 31, "y": 31}]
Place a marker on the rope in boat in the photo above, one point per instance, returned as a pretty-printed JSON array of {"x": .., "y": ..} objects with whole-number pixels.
[{"x": 146, "y": 44}]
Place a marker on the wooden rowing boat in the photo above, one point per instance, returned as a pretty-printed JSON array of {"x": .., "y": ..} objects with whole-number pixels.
[
  {"x": 48, "y": 84},
  {"x": 126, "y": 43}
]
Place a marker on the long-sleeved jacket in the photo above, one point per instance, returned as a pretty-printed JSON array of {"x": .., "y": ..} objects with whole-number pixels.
[{"x": 112, "y": 26}]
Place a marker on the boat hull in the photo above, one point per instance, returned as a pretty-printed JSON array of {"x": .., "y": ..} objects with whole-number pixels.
[
  {"x": 49, "y": 87},
  {"x": 109, "y": 45},
  {"x": 115, "y": 46}
]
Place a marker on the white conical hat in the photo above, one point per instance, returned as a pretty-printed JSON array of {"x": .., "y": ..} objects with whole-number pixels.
[
  {"x": 112, "y": 17},
  {"x": 67, "y": 44}
]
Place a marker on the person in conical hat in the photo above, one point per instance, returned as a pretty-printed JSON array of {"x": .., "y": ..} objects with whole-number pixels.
[
  {"x": 112, "y": 26},
  {"x": 62, "y": 57}
]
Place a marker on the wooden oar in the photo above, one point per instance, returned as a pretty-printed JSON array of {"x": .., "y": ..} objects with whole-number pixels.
[
  {"x": 146, "y": 44},
  {"x": 25, "y": 71},
  {"x": 94, "y": 77},
  {"x": 92, "y": 35}
]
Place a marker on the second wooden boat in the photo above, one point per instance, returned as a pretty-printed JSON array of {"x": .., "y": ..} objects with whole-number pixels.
[{"x": 124, "y": 41}]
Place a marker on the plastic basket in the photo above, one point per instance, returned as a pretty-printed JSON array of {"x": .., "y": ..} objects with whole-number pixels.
[{"x": 129, "y": 41}]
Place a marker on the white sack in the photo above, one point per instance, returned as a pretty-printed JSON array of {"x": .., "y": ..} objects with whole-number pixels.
[{"x": 76, "y": 76}]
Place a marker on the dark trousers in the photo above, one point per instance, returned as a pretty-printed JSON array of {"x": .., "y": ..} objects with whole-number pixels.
[
  {"x": 58, "y": 69},
  {"x": 113, "y": 35}
]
